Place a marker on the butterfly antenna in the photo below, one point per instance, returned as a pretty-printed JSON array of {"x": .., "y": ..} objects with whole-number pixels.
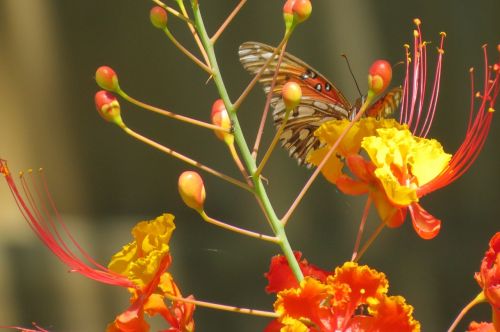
[{"x": 352, "y": 74}]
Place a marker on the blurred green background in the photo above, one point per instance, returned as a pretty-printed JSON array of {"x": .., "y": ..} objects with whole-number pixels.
[{"x": 104, "y": 182}]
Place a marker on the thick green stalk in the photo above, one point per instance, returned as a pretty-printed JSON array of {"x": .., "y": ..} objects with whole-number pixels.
[{"x": 259, "y": 188}]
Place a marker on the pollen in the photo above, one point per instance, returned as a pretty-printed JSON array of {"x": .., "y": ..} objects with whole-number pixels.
[
  {"x": 491, "y": 110},
  {"x": 417, "y": 21},
  {"x": 362, "y": 291},
  {"x": 442, "y": 33}
]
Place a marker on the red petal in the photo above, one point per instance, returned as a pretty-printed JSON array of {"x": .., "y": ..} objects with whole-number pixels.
[
  {"x": 426, "y": 225},
  {"x": 361, "y": 168}
]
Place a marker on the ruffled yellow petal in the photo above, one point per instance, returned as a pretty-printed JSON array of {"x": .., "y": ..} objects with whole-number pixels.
[
  {"x": 428, "y": 160},
  {"x": 329, "y": 132},
  {"x": 140, "y": 259},
  {"x": 397, "y": 194},
  {"x": 404, "y": 162}
]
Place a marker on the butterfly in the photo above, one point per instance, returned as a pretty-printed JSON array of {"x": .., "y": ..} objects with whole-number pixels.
[{"x": 321, "y": 100}]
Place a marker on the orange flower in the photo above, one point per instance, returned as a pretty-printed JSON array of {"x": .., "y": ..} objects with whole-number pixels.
[{"x": 353, "y": 299}]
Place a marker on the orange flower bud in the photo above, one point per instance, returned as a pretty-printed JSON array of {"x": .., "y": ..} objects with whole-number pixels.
[
  {"x": 158, "y": 17},
  {"x": 108, "y": 107},
  {"x": 192, "y": 190},
  {"x": 107, "y": 79},
  {"x": 296, "y": 11},
  {"x": 288, "y": 13},
  {"x": 291, "y": 94},
  {"x": 379, "y": 76},
  {"x": 302, "y": 9},
  {"x": 220, "y": 118}
]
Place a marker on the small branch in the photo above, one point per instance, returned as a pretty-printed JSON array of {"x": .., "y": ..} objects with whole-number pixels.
[
  {"x": 187, "y": 53},
  {"x": 369, "y": 242},
  {"x": 239, "y": 164},
  {"x": 187, "y": 160},
  {"x": 268, "y": 102},
  {"x": 318, "y": 169},
  {"x": 478, "y": 299},
  {"x": 361, "y": 228},
  {"x": 171, "y": 114},
  {"x": 227, "y": 21},
  {"x": 224, "y": 307},
  {"x": 193, "y": 31},
  {"x": 273, "y": 145},
  {"x": 173, "y": 11},
  {"x": 238, "y": 230}
]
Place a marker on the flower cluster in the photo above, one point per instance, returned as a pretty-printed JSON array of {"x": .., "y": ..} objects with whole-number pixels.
[{"x": 352, "y": 298}]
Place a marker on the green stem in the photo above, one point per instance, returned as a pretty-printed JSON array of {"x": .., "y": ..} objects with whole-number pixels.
[{"x": 259, "y": 189}]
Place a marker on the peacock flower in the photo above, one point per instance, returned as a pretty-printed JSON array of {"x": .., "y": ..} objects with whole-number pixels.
[
  {"x": 394, "y": 163},
  {"x": 353, "y": 299},
  {"x": 139, "y": 267}
]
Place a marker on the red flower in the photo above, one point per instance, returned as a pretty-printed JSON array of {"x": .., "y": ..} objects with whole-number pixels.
[{"x": 280, "y": 275}]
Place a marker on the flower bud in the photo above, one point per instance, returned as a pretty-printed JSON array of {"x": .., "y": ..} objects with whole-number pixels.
[
  {"x": 291, "y": 94},
  {"x": 107, "y": 79},
  {"x": 379, "y": 76},
  {"x": 302, "y": 10},
  {"x": 192, "y": 190},
  {"x": 158, "y": 17},
  {"x": 288, "y": 13},
  {"x": 108, "y": 107},
  {"x": 220, "y": 118}
]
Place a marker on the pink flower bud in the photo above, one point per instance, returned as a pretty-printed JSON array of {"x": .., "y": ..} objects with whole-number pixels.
[
  {"x": 302, "y": 9},
  {"x": 291, "y": 94},
  {"x": 108, "y": 107},
  {"x": 158, "y": 17},
  {"x": 107, "y": 79},
  {"x": 220, "y": 118},
  {"x": 379, "y": 76},
  {"x": 192, "y": 190}
]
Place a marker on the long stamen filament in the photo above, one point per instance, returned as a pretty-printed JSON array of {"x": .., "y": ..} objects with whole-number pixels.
[{"x": 361, "y": 228}]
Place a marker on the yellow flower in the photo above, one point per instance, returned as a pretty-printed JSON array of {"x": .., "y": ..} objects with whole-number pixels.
[{"x": 140, "y": 259}]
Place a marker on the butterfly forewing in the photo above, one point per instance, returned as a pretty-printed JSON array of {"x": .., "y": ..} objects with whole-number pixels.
[{"x": 321, "y": 100}]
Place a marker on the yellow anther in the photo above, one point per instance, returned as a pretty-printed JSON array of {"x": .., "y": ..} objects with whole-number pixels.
[
  {"x": 406, "y": 46},
  {"x": 415, "y": 33},
  {"x": 491, "y": 110},
  {"x": 440, "y": 50},
  {"x": 417, "y": 21},
  {"x": 362, "y": 291},
  {"x": 442, "y": 33},
  {"x": 471, "y": 69}
]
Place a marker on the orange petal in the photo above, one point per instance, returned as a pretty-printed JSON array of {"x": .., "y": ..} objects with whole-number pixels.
[
  {"x": 349, "y": 186},
  {"x": 361, "y": 168},
  {"x": 426, "y": 225}
]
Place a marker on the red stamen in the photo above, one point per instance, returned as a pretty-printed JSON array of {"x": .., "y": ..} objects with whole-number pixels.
[
  {"x": 47, "y": 231},
  {"x": 478, "y": 127}
]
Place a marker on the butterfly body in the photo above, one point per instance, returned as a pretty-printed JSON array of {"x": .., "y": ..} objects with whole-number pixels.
[{"x": 321, "y": 100}]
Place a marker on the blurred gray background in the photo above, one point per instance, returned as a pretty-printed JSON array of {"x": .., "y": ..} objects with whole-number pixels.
[{"x": 104, "y": 182}]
